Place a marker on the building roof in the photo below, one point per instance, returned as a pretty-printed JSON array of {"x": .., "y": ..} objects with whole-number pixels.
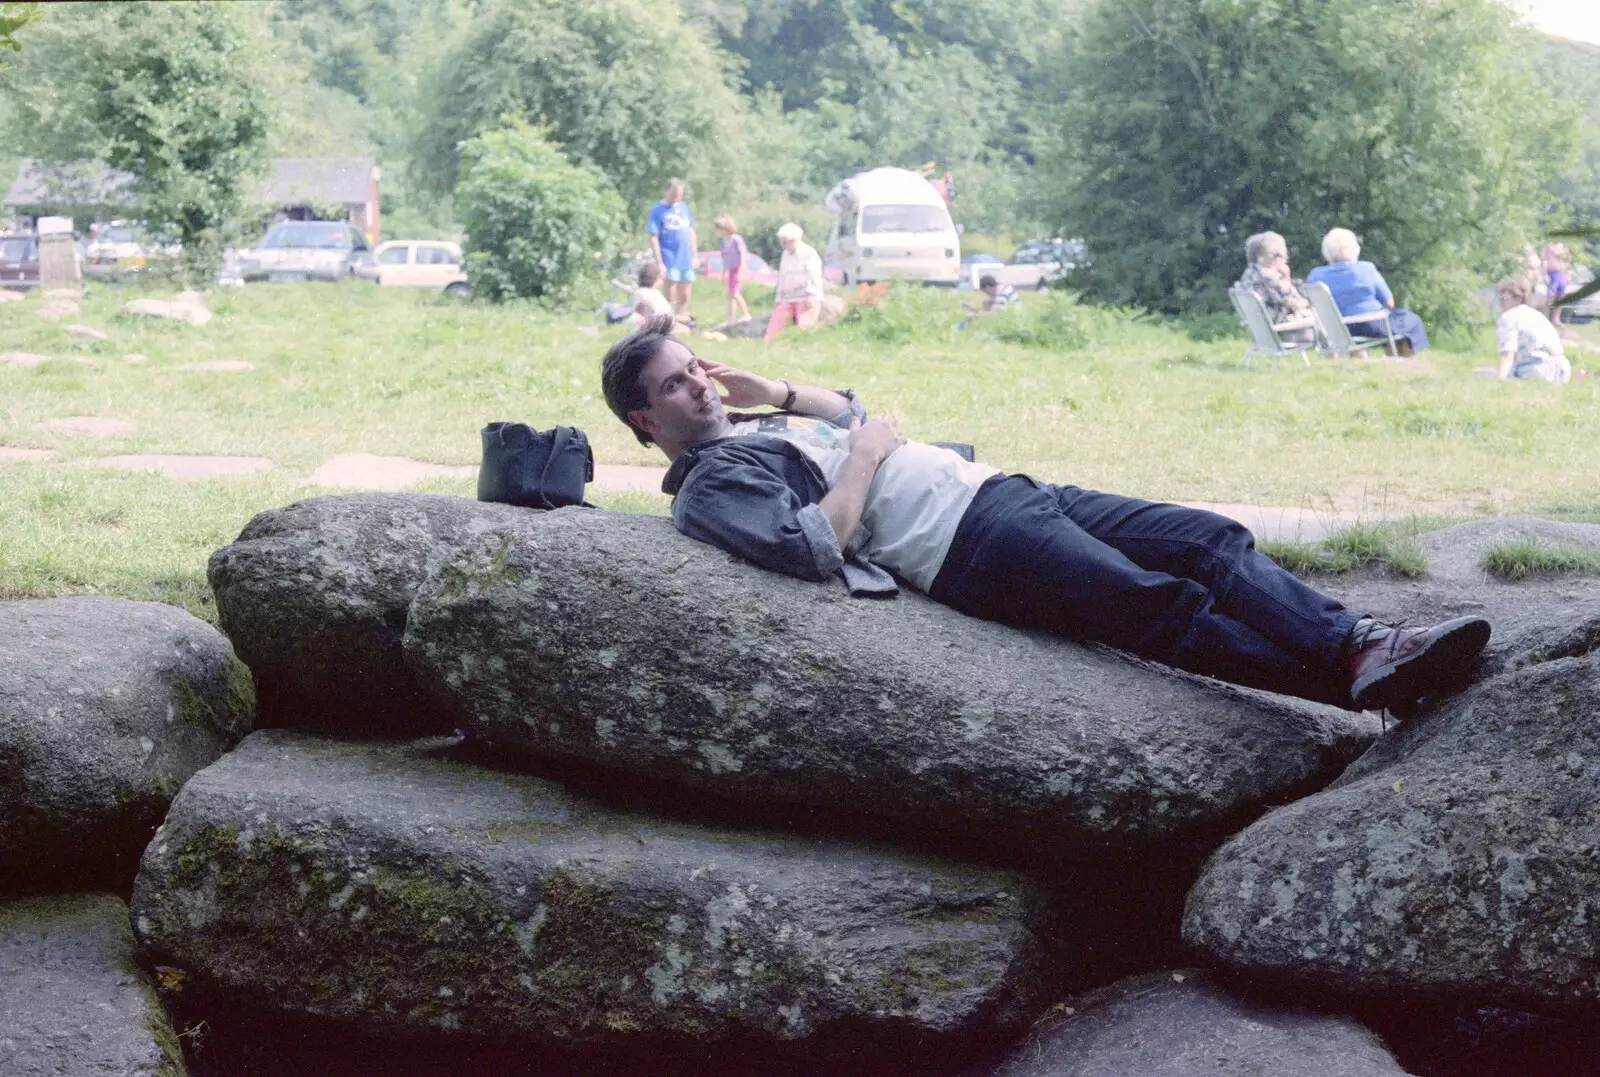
[
  {"x": 73, "y": 183},
  {"x": 297, "y": 181}
]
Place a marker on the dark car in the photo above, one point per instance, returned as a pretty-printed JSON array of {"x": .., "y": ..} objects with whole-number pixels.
[
  {"x": 19, "y": 260},
  {"x": 1064, "y": 253}
]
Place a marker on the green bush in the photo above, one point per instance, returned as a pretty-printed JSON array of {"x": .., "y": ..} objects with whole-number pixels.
[
  {"x": 536, "y": 224},
  {"x": 906, "y": 313},
  {"x": 1053, "y": 320}
]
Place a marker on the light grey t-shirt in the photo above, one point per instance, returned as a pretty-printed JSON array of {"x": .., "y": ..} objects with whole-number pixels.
[
  {"x": 914, "y": 504},
  {"x": 1535, "y": 343}
]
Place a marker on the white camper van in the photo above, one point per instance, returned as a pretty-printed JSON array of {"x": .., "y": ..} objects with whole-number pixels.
[{"x": 891, "y": 223}]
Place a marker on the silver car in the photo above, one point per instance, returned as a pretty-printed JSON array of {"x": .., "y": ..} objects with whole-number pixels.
[
  {"x": 308, "y": 250},
  {"x": 1586, "y": 309}
]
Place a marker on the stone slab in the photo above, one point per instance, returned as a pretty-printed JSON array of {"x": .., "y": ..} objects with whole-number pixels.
[
  {"x": 16, "y": 454},
  {"x": 395, "y": 889},
  {"x": 367, "y": 471},
  {"x": 74, "y": 1001}
]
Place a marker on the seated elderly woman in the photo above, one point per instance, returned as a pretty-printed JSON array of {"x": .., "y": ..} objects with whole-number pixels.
[
  {"x": 1530, "y": 347},
  {"x": 1358, "y": 288},
  {"x": 1268, "y": 276}
]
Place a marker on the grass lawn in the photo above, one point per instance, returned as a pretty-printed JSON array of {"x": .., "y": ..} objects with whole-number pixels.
[{"x": 1075, "y": 395}]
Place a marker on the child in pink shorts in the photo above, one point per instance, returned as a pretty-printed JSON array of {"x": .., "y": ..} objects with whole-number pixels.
[{"x": 734, "y": 256}]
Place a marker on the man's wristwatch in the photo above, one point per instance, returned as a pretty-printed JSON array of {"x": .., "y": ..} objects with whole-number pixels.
[{"x": 788, "y": 400}]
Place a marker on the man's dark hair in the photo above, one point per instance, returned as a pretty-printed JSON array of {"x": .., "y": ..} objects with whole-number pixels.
[
  {"x": 988, "y": 281},
  {"x": 624, "y": 361}
]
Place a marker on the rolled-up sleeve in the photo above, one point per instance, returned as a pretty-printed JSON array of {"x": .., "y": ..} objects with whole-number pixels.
[
  {"x": 745, "y": 509},
  {"x": 855, "y": 410}
]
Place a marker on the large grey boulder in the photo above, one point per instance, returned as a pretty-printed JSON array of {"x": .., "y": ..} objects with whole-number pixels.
[
  {"x": 106, "y": 708},
  {"x": 612, "y": 640},
  {"x": 1181, "y": 1024},
  {"x": 314, "y": 597},
  {"x": 390, "y": 887},
  {"x": 73, "y": 1000},
  {"x": 1459, "y": 859}
]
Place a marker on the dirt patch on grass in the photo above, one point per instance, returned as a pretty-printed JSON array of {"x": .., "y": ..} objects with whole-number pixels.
[{"x": 17, "y": 454}]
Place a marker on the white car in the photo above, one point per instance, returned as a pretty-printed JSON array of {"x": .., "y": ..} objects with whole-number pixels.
[
  {"x": 1586, "y": 309},
  {"x": 421, "y": 263}
]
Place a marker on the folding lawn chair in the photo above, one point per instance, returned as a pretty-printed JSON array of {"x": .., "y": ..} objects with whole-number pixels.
[
  {"x": 1336, "y": 335},
  {"x": 1265, "y": 341}
]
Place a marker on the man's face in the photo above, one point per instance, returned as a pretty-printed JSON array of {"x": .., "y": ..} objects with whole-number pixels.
[
  {"x": 685, "y": 406},
  {"x": 674, "y": 192}
]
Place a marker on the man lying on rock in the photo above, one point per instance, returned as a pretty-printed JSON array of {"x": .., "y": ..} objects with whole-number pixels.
[{"x": 818, "y": 489}]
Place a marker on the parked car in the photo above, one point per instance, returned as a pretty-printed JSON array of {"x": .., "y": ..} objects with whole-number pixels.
[
  {"x": 419, "y": 263},
  {"x": 1063, "y": 253},
  {"x": 308, "y": 250},
  {"x": 1586, "y": 309},
  {"x": 1036, "y": 264},
  {"x": 757, "y": 270},
  {"x": 19, "y": 260},
  {"x": 121, "y": 248},
  {"x": 981, "y": 259}
]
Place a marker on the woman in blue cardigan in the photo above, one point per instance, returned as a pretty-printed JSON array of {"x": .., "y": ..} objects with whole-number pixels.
[{"x": 1358, "y": 288}]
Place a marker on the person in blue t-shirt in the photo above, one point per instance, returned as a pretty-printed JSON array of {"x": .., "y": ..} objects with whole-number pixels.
[
  {"x": 672, "y": 240},
  {"x": 1358, "y": 288}
]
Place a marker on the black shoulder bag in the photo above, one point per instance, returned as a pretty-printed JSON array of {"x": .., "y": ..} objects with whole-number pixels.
[{"x": 522, "y": 466}]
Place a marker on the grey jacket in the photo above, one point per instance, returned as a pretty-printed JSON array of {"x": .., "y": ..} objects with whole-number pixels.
[{"x": 756, "y": 496}]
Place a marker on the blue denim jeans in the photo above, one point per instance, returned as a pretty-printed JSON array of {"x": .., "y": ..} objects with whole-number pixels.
[{"x": 1180, "y": 586}]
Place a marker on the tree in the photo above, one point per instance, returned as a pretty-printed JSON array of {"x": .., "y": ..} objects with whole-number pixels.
[
  {"x": 536, "y": 223},
  {"x": 14, "y": 17},
  {"x": 899, "y": 82},
  {"x": 623, "y": 85},
  {"x": 1190, "y": 124},
  {"x": 174, "y": 94}
]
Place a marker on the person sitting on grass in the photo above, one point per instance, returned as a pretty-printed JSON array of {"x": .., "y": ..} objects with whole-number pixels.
[
  {"x": 1358, "y": 288},
  {"x": 996, "y": 296},
  {"x": 647, "y": 298},
  {"x": 1267, "y": 275},
  {"x": 1530, "y": 346},
  {"x": 818, "y": 488},
  {"x": 799, "y": 294}
]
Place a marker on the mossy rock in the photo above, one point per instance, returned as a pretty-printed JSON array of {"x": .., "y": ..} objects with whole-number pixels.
[
  {"x": 106, "y": 708},
  {"x": 384, "y": 886}
]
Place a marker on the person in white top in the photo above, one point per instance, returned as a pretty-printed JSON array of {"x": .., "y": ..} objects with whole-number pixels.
[
  {"x": 799, "y": 296},
  {"x": 648, "y": 301},
  {"x": 1530, "y": 347}
]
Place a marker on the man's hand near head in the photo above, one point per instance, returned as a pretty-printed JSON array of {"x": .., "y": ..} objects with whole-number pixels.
[{"x": 744, "y": 389}]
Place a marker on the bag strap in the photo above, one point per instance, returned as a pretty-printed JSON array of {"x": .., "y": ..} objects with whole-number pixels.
[{"x": 563, "y": 434}]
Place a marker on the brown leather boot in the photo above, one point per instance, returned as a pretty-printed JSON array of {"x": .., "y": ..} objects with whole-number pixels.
[{"x": 1392, "y": 667}]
